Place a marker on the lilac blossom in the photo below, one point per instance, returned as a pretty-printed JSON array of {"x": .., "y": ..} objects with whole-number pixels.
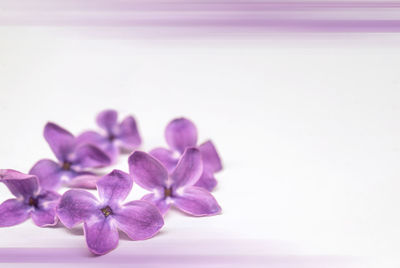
[
  {"x": 181, "y": 133},
  {"x": 31, "y": 200},
  {"x": 176, "y": 189},
  {"x": 73, "y": 160},
  {"x": 102, "y": 219},
  {"x": 115, "y": 137}
]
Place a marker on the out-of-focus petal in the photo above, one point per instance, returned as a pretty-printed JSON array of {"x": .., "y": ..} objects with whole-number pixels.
[
  {"x": 147, "y": 171},
  {"x": 139, "y": 219},
  {"x": 211, "y": 160},
  {"x": 20, "y": 184},
  {"x": 114, "y": 187},
  {"x": 61, "y": 141},
  {"x": 76, "y": 206},
  {"x": 166, "y": 157},
  {"x": 90, "y": 156},
  {"x": 107, "y": 120},
  {"x": 49, "y": 174},
  {"x": 12, "y": 212},
  {"x": 207, "y": 181},
  {"x": 91, "y": 137},
  {"x": 85, "y": 180},
  {"x": 197, "y": 201},
  {"x": 181, "y": 133},
  {"x": 101, "y": 235},
  {"x": 103, "y": 143},
  {"x": 45, "y": 212},
  {"x": 189, "y": 168},
  {"x": 160, "y": 202},
  {"x": 129, "y": 134}
]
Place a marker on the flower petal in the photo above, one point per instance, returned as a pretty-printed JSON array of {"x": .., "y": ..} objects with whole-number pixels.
[
  {"x": 101, "y": 235},
  {"x": 114, "y": 187},
  {"x": 107, "y": 120},
  {"x": 189, "y": 168},
  {"x": 90, "y": 137},
  {"x": 211, "y": 159},
  {"x": 160, "y": 202},
  {"x": 181, "y": 133},
  {"x": 61, "y": 141},
  {"x": 49, "y": 174},
  {"x": 207, "y": 181},
  {"x": 19, "y": 184},
  {"x": 147, "y": 172},
  {"x": 76, "y": 206},
  {"x": 90, "y": 156},
  {"x": 103, "y": 143},
  {"x": 197, "y": 201},
  {"x": 129, "y": 134},
  {"x": 166, "y": 157},
  {"x": 139, "y": 219},
  {"x": 45, "y": 213},
  {"x": 85, "y": 180},
  {"x": 13, "y": 212}
]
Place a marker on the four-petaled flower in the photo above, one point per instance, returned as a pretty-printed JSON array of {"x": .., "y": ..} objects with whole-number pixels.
[
  {"x": 176, "y": 189},
  {"x": 181, "y": 133},
  {"x": 102, "y": 219},
  {"x": 123, "y": 136},
  {"x": 30, "y": 200},
  {"x": 73, "y": 160}
]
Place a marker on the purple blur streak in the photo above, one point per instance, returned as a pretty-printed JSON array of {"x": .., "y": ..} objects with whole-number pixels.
[
  {"x": 209, "y": 17},
  {"x": 181, "y": 254}
]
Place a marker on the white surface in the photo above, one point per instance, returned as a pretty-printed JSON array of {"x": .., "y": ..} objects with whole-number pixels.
[{"x": 309, "y": 135}]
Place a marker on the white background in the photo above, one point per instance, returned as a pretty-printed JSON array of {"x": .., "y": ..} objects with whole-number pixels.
[{"x": 308, "y": 131}]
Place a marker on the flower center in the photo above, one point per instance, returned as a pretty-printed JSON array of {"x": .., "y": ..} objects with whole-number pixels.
[
  {"x": 106, "y": 211},
  {"x": 111, "y": 137},
  {"x": 66, "y": 165},
  {"x": 167, "y": 192},
  {"x": 33, "y": 202}
]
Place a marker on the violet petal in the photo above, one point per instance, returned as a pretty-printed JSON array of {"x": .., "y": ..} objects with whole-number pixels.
[
  {"x": 85, "y": 180},
  {"x": 160, "y": 202},
  {"x": 128, "y": 134},
  {"x": 139, "y": 220},
  {"x": 45, "y": 212},
  {"x": 189, "y": 168},
  {"x": 181, "y": 133},
  {"x": 20, "y": 184},
  {"x": 107, "y": 120},
  {"x": 13, "y": 212},
  {"x": 48, "y": 172},
  {"x": 103, "y": 143},
  {"x": 211, "y": 159},
  {"x": 114, "y": 187},
  {"x": 91, "y": 137},
  {"x": 101, "y": 235},
  {"x": 76, "y": 206},
  {"x": 147, "y": 172},
  {"x": 60, "y": 140},
  {"x": 166, "y": 157},
  {"x": 197, "y": 201},
  {"x": 207, "y": 181},
  {"x": 90, "y": 156}
]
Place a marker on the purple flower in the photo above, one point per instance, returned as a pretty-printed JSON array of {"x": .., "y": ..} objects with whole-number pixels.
[
  {"x": 30, "y": 200},
  {"x": 176, "y": 189},
  {"x": 102, "y": 219},
  {"x": 73, "y": 159},
  {"x": 116, "y": 137},
  {"x": 181, "y": 133}
]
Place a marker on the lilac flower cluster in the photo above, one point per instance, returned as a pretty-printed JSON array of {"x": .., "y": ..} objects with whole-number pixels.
[{"x": 181, "y": 176}]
